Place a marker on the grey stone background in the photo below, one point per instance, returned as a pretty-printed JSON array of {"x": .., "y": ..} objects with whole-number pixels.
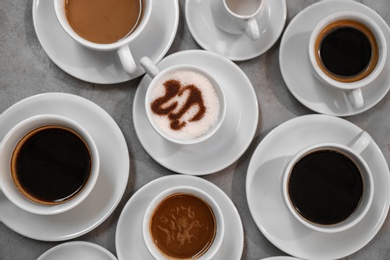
[{"x": 26, "y": 70}]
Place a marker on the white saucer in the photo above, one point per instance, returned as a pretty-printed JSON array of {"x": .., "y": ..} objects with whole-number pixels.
[
  {"x": 295, "y": 66},
  {"x": 104, "y": 67},
  {"x": 265, "y": 198},
  {"x": 234, "y": 47},
  {"x": 113, "y": 176},
  {"x": 129, "y": 242},
  {"x": 77, "y": 250},
  {"x": 226, "y": 145}
]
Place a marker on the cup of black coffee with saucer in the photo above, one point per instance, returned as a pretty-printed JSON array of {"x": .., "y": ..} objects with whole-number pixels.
[{"x": 347, "y": 51}]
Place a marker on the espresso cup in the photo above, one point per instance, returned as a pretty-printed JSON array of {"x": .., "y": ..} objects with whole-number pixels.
[
  {"x": 347, "y": 51},
  {"x": 120, "y": 42},
  {"x": 237, "y": 16},
  {"x": 183, "y": 222},
  {"x": 183, "y": 103},
  {"x": 328, "y": 187},
  {"x": 48, "y": 164}
]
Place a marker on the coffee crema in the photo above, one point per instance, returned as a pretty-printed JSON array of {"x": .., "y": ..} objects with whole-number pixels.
[
  {"x": 51, "y": 165},
  {"x": 184, "y": 104},
  {"x": 346, "y": 50},
  {"x": 325, "y": 187},
  {"x": 183, "y": 226},
  {"x": 103, "y": 21}
]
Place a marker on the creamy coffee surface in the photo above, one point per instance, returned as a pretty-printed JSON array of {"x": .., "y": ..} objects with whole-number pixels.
[
  {"x": 103, "y": 21},
  {"x": 184, "y": 104},
  {"x": 183, "y": 226}
]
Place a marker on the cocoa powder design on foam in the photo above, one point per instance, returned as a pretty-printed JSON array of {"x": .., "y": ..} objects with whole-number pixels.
[{"x": 174, "y": 88}]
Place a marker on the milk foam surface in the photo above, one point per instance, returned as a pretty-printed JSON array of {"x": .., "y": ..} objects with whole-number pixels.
[{"x": 211, "y": 101}]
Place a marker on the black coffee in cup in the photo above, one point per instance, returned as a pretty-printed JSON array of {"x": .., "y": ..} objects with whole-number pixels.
[
  {"x": 346, "y": 50},
  {"x": 51, "y": 165},
  {"x": 325, "y": 187}
]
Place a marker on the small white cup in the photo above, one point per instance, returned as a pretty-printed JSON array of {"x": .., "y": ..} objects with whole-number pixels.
[
  {"x": 152, "y": 70},
  {"x": 7, "y": 146},
  {"x": 238, "y": 16},
  {"x": 122, "y": 47},
  {"x": 351, "y": 89},
  {"x": 220, "y": 225},
  {"x": 352, "y": 152}
]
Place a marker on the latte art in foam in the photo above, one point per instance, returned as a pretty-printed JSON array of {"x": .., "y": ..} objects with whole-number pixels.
[{"x": 184, "y": 104}]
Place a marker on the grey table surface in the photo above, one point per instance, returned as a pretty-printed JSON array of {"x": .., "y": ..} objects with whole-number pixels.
[{"x": 26, "y": 70}]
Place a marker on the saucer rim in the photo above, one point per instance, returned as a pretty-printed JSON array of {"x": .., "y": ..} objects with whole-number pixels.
[
  {"x": 340, "y": 6},
  {"x": 88, "y": 77},
  {"x": 177, "y": 180},
  {"x": 232, "y": 57},
  {"x": 298, "y": 252},
  {"x": 22, "y": 109},
  {"x": 84, "y": 244},
  {"x": 138, "y": 116}
]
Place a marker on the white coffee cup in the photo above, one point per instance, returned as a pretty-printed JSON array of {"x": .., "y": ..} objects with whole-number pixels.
[
  {"x": 218, "y": 93},
  {"x": 353, "y": 153},
  {"x": 122, "y": 47},
  {"x": 187, "y": 190},
  {"x": 238, "y": 16},
  {"x": 351, "y": 89},
  {"x": 9, "y": 143}
]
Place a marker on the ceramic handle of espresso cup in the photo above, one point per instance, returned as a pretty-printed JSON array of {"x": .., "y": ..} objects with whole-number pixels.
[
  {"x": 355, "y": 97},
  {"x": 252, "y": 29},
  {"x": 149, "y": 67},
  {"x": 127, "y": 59},
  {"x": 362, "y": 142}
]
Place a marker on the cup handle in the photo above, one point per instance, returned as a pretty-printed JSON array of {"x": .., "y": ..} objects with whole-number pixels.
[
  {"x": 252, "y": 29},
  {"x": 149, "y": 67},
  {"x": 127, "y": 59},
  {"x": 362, "y": 142},
  {"x": 355, "y": 98}
]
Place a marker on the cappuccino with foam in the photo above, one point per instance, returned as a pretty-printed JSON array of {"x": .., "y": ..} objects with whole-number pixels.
[{"x": 185, "y": 104}]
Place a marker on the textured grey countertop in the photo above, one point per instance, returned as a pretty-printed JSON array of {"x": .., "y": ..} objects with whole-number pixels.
[{"x": 26, "y": 70}]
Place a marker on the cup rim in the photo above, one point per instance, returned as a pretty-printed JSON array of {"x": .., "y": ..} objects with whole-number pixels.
[
  {"x": 366, "y": 199},
  {"x": 382, "y": 49},
  {"x": 61, "y": 18},
  {"x": 10, "y": 141},
  {"x": 218, "y": 88},
  {"x": 184, "y": 189}
]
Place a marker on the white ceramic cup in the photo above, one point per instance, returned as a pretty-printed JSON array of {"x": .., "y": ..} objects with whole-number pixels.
[
  {"x": 352, "y": 152},
  {"x": 238, "y": 16},
  {"x": 8, "y": 145},
  {"x": 351, "y": 89},
  {"x": 152, "y": 70},
  {"x": 122, "y": 47},
  {"x": 220, "y": 225}
]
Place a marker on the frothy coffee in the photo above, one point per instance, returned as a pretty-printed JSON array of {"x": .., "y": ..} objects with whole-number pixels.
[{"x": 184, "y": 104}]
